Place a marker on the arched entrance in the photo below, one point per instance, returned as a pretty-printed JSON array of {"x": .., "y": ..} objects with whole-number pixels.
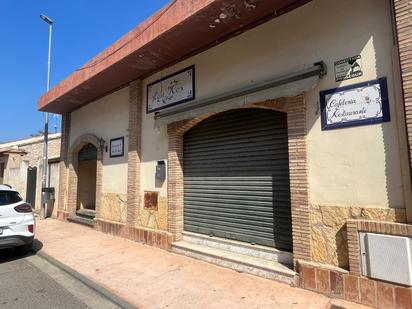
[
  {"x": 295, "y": 109},
  {"x": 236, "y": 178},
  {"x": 85, "y": 177},
  {"x": 87, "y": 170}
]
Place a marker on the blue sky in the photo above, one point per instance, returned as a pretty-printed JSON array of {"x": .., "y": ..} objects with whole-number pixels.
[{"x": 82, "y": 28}]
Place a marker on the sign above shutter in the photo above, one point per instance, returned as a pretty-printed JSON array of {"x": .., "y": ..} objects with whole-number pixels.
[
  {"x": 171, "y": 90},
  {"x": 283, "y": 86}
]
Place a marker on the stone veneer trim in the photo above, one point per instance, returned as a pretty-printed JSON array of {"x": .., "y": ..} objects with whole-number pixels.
[
  {"x": 296, "y": 115},
  {"x": 329, "y": 234}
]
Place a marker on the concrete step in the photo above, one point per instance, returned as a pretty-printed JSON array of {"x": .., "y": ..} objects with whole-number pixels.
[
  {"x": 81, "y": 220},
  {"x": 239, "y": 262},
  {"x": 86, "y": 213},
  {"x": 257, "y": 251}
]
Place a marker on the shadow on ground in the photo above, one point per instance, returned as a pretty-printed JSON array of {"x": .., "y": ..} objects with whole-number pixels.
[{"x": 8, "y": 255}]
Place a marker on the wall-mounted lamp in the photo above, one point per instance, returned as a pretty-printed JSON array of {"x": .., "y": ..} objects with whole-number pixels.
[{"x": 101, "y": 142}]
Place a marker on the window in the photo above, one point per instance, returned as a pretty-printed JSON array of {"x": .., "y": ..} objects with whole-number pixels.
[{"x": 9, "y": 197}]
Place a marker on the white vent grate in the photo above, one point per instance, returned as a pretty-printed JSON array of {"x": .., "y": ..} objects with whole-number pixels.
[{"x": 386, "y": 257}]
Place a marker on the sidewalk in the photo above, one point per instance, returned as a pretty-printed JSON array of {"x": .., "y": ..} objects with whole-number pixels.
[{"x": 153, "y": 278}]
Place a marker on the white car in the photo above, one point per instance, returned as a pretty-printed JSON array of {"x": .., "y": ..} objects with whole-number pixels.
[{"x": 17, "y": 221}]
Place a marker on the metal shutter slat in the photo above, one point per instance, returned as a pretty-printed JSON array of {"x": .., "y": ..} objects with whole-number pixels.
[{"x": 236, "y": 178}]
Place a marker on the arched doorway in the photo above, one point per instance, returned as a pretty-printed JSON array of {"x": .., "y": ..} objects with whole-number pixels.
[
  {"x": 236, "y": 178},
  {"x": 85, "y": 179},
  {"x": 87, "y": 171}
]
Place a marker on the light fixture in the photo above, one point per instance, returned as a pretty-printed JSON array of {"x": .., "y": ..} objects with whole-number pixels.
[
  {"x": 46, "y": 19},
  {"x": 101, "y": 142}
]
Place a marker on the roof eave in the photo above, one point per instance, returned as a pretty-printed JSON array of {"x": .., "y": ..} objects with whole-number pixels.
[{"x": 176, "y": 32}]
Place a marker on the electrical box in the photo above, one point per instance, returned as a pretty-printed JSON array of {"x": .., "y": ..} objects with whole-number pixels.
[
  {"x": 161, "y": 170},
  {"x": 49, "y": 193},
  {"x": 386, "y": 257}
]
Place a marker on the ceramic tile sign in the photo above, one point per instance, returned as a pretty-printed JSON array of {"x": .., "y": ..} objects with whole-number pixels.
[
  {"x": 355, "y": 105},
  {"x": 348, "y": 68},
  {"x": 117, "y": 147},
  {"x": 171, "y": 90},
  {"x": 151, "y": 200}
]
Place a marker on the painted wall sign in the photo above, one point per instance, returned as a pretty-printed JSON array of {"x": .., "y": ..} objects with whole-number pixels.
[
  {"x": 355, "y": 105},
  {"x": 117, "y": 147},
  {"x": 171, "y": 90},
  {"x": 348, "y": 68}
]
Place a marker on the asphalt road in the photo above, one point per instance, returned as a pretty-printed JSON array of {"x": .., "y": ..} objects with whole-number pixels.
[{"x": 32, "y": 282}]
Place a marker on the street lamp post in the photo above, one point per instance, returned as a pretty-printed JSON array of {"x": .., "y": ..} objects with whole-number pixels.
[{"x": 43, "y": 210}]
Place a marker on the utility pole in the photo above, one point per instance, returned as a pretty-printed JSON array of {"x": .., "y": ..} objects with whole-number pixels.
[{"x": 43, "y": 210}]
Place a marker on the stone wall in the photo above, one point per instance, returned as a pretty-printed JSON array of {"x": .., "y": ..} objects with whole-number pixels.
[
  {"x": 35, "y": 150},
  {"x": 328, "y": 227},
  {"x": 17, "y": 173},
  {"x": 145, "y": 218},
  {"x": 34, "y": 157},
  {"x": 16, "y": 168},
  {"x": 114, "y": 207},
  {"x": 154, "y": 219}
]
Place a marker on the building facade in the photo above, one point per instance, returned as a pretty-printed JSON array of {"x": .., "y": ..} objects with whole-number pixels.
[
  {"x": 282, "y": 126},
  {"x": 21, "y": 166}
]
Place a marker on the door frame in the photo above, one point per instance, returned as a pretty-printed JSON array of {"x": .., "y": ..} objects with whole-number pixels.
[
  {"x": 30, "y": 170},
  {"x": 74, "y": 171}
]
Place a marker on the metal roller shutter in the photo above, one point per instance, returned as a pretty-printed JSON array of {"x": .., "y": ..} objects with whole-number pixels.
[{"x": 236, "y": 178}]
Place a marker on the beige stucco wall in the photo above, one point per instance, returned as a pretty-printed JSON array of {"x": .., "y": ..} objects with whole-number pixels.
[
  {"x": 154, "y": 148},
  {"x": 357, "y": 166},
  {"x": 108, "y": 118}
]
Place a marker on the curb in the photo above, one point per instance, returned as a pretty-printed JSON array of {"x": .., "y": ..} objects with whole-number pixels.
[{"x": 86, "y": 281}]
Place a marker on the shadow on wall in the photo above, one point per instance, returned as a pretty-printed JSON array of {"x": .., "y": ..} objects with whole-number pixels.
[
  {"x": 356, "y": 152},
  {"x": 394, "y": 132},
  {"x": 342, "y": 251},
  {"x": 390, "y": 135},
  {"x": 361, "y": 137},
  {"x": 107, "y": 160}
]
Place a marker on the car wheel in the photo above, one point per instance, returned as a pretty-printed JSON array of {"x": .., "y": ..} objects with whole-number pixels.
[{"x": 24, "y": 249}]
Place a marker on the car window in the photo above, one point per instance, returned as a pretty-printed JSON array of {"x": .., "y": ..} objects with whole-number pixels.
[{"x": 9, "y": 197}]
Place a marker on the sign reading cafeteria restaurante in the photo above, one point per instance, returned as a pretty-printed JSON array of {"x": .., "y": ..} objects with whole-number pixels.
[
  {"x": 355, "y": 105},
  {"x": 171, "y": 90}
]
